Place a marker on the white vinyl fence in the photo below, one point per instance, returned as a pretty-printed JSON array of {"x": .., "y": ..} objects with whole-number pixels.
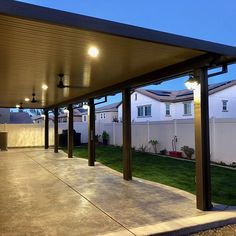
[{"x": 222, "y": 135}]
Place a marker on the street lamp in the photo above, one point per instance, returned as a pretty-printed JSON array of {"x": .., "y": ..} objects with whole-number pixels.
[{"x": 192, "y": 83}]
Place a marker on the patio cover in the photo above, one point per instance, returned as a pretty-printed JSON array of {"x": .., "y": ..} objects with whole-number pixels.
[{"x": 37, "y": 43}]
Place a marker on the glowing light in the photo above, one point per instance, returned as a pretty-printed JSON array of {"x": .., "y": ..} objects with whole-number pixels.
[
  {"x": 44, "y": 87},
  {"x": 66, "y": 111},
  {"x": 191, "y": 83},
  {"x": 27, "y": 99},
  {"x": 17, "y": 106},
  {"x": 85, "y": 105},
  {"x": 93, "y": 52}
]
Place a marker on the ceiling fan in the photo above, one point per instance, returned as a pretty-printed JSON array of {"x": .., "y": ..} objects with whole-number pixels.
[
  {"x": 34, "y": 100},
  {"x": 62, "y": 85}
]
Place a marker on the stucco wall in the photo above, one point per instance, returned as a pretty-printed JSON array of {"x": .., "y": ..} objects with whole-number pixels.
[
  {"x": 215, "y": 103},
  {"x": 141, "y": 101},
  {"x": 177, "y": 109}
]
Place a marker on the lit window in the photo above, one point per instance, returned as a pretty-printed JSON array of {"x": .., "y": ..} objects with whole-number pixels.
[
  {"x": 167, "y": 109},
  {"x": 135, "y": 96},
  {"x": 144, "y": 111},
  {"x": 187, "y": 108},
  {"x": 224, "y": 105}
]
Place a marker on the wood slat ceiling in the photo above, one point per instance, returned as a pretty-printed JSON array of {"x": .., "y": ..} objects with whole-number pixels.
[{"x": 34, "y": 53}]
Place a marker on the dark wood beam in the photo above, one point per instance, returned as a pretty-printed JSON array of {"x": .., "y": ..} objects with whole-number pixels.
[
  {"x": 156, "y": 76},
  {"x": 202, "y": 143},
  {"x": 46, "y": 129},
  {"x": 91, "y": 133},
  {"x": 70, "y": 133},
  {"x": 56, "y": 130},
  {"x": 126, "y": 119}
]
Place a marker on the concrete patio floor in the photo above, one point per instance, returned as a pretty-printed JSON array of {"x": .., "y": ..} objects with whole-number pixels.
[{"x": 43, "y": 193}]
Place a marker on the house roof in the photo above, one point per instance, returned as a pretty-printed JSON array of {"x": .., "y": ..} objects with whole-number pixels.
[
  {"x": 113, "y": 107},
  {"x": 20, "y": 118},
  {"x": 39, "y": 117},
  {"x": 48, "y": 42},
  {"x": 108, "y": 108},
  {"x": 183, "y": 95},
  {"x": 77, "y": 112}
]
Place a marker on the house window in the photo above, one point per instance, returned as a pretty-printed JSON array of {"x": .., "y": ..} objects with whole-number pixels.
[
  {"x": 104, "y": 115},
  {"x": 140, "y": 111},
  {"x": 101, "y": 115},
  {"x": 135, "y": 96},
  {"x": 167, "y": 109},
  {"x": 187, "y": 108},
  {"x": 144, "y": 111},
  {"x": 84, "y": 118},
  {"x": 224, "y": 105},
  {"x": 147, "y": 110}
]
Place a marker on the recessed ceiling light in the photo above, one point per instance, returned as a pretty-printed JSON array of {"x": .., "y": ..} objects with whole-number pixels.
[
  {"x": 27, "y": 99},
  {"x": 44, "y": 87},
  {"x": 93, "y": 52},
  {"x": 17, "y": 106}
]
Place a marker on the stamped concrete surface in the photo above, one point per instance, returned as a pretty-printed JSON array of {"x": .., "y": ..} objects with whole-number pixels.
[{"x": 43, "y": 193}]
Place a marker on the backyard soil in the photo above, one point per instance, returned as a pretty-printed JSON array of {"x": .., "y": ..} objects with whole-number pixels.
[{"x": 229, "y": 230}]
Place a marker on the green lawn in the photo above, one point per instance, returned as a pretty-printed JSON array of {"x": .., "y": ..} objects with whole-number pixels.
[{"x": 176, "y": 173}]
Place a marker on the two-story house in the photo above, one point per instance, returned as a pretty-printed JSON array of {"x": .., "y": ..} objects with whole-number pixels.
[
  {"x": 160, "y": 105},
  {"x": 105, "y": 114}
]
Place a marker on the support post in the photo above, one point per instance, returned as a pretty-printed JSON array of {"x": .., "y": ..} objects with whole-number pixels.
[
  {"x": 56, "y": 130},
  {"x": 70, "y": 132},
  {"x": 46, "y": 131},
  {"x": 91, "y": 133},
  {"x": 202, "y": 141},
  {"x": 126, "y": 117}
]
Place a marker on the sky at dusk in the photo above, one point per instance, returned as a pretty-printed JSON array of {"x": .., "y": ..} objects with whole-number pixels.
[{"x": 212, "y": 20}]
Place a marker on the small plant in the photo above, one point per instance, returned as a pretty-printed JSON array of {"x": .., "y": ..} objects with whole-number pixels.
[
  {"x": 233, "y": 164},
  {"x": 154, "y": 144},
  {"x": 105, "y": 137},
  {"x": 188, "y": 151},
  {"x": 222, "y": 163},
  {"x": 163, "y": 152},
  {"x": 143, "y": 148}
]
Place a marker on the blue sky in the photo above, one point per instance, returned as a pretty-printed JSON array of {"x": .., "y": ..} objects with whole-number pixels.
[{"x": 212, "y": 20}]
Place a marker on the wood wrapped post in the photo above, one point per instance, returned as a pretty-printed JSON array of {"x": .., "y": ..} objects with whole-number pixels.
[
  {"x": 56, "y": 130},
  {"x": 70, "y": 132},
  {"x": 126, "y": 118},
  {"x": 202, "y": 143},
  {"x": 46, "y": 129},
  {"x": 91, "y": 133}
]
